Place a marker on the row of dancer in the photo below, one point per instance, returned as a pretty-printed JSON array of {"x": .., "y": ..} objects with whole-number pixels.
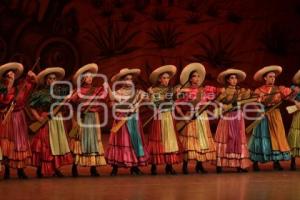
[{"x": 55, "y": 145}]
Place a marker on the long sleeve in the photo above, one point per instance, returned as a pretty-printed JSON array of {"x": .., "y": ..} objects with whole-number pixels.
[
  {"x": 24, "y": 89},
  {"x": 285, "y": 91}
]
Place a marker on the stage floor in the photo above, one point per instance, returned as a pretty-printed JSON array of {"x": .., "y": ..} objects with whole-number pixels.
[{"x": 266, "y": 184}]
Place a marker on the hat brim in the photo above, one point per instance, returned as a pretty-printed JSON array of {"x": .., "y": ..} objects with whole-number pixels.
[
  {"x": 58, "y": 71},
  {"x": 17, "y": 68},
  {"x": 92, "y": 68},
  {"x": 124, "y": 72},
  {"x": 296, "y": 78},
  {"x": 241, "y": 75},
  {"x": 192, "y": 67},
  {"x": 259, "y": 75},
  {"x": 170, "y": 69}
]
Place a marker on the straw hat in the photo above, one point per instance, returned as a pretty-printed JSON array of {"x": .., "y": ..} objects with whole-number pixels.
[
  {"x": 296, "y": 78},
  {"x": 186, "y": 72},
  {"x": 170, "y": 69},
  {"x": 58, "y": 71},
  {"x": 12, "y": 66},
  {"x": 92, "y": 68},
  {"x": 241, "y": 75},
  {"x": 259, "y": 75},
  {"x": 125, "y": 71}
]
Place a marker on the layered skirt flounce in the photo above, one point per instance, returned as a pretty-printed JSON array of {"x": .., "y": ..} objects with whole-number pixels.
[
  {"x": 197, "y": 141},
  {"x": 14, "y": 138},
  {"x": 231, "y": 141},
  {"x": 268, "y": 141},
  {"x": 127, "y": 148},
  {"x": 86, "y": 146},
  {"x": 294, "y": 135},
  {"x": 163, "y": 145},
  {"x": 50, "y": 148}
]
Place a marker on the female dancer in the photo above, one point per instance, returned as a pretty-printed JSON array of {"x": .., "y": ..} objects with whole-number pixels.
[
  {"x": 294, "y": 133},
  {"x": 230, "y": 138},
  {"x": 14, "y": 130},
  {"x": 86, "y": 143},
  {"x": 126, "y": 146},
  {"x": 163, "y": 141},
  {"x": 268, "y": 141},
  {"x": 195, "y": 136},
  {"x": 50, "y": 148}
]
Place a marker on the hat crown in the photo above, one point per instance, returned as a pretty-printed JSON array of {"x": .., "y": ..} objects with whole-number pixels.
[
  {"x": 124, "y": 69},
  {"x": 192, "y": 67},
  {"x": 241, "y": 75},
  {"x": 14, "y": 66},
  {"x": 258, "y": 76},
  {"x": 160, "y": 70}
]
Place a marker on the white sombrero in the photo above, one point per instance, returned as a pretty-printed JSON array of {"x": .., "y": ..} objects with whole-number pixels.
[
  {"x": 12, "y": 66},
  {"x": 296, "y": 78},
  {"x": 58, "y": 71},
  {"x": 259, "y": 75},
  {"x": 170, "y": 69},
  {"x": 92, "y": 68},
  {"x": 192, "y": 67},
  {"x": 125, "y": 71},
  {"x": 241, "y": 75}
]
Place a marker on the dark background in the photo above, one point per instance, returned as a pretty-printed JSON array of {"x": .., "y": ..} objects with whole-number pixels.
[{"x": 149, "y": 33}]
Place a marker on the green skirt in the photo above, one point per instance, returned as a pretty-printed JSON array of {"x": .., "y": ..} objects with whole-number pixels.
[{"x": 294, "y": 135}]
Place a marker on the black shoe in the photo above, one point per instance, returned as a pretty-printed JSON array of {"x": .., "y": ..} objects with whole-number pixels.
[
  {"x": 293, "y": 164},
  {"x": 58, "y": 173},
  {"x": 114, "y": 171},
  {"x": 21, "y": 174},
  {"x": 94, "y": 172},
  {"x": 169, "y": 170},
  {"x": 255, "y": 167},
  {"x": 239, "y": 169},
  {"x": 135, "y": 171},
  {"x": 219, "y": 170},
  {"x": 153, "y": 170},
  {"x": 199, "y": 168},
  {"x": 277, "y": 166},
  {"x": 7, "y": 172},
  {"x": 74, "y": 170},
  {"x": 39, "y": 172},
  {"x": 185, "y": 167}
]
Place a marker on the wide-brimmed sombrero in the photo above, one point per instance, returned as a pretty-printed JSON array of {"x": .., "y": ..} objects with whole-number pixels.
[
  {"x": 296, "y": 78},
  {"x": 92, "y": 68},
  {"x": 125, "y": 71},
  {"x": 58, "y": 71},
  {"x": 192, "y": 67},
  {"x": 170, "y": 69},
  {"x": 241, "y": 75},
  {"x": 12, "y": 66},
  {"x": 259, "y": 75}
]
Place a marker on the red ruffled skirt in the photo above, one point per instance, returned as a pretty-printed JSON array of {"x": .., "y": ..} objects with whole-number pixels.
[
  {"x": 15, "y": 141},
  {"x": 120, "y": 149},
  {"x": 157, "y": 140},
  {"x": 42, "y": 154}
]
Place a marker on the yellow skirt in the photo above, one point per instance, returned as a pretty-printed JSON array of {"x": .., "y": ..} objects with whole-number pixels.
[
  {"x": 168, "y": 132},
  {"x": 277, "y": 132},
  {"x": 294, "y": 135},
  {"x": 197, "y": 141},
  {"x": 57, "y": 135}
]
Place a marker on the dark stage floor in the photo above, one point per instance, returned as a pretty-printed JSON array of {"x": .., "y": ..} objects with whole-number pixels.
[{"x": 267, "y": 184}]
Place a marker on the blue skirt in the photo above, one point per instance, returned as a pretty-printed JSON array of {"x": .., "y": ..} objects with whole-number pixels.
[{"x": 260, "y": 146}]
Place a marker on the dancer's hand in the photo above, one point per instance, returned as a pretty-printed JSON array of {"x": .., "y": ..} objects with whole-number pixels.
[
  {"x": 150, "y": 90},
  {"x": 32, "y": 76}
]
